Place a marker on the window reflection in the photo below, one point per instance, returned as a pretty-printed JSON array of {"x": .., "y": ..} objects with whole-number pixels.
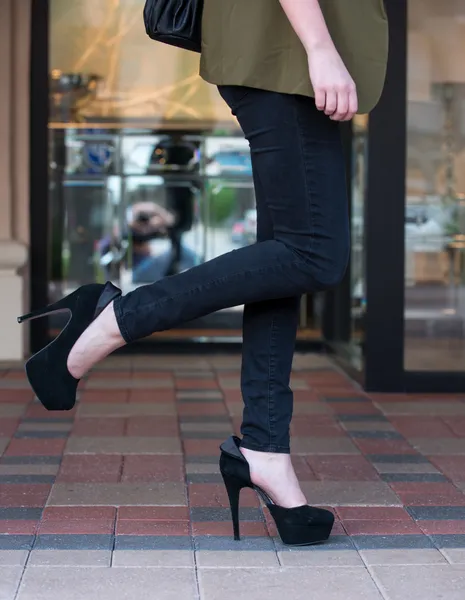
[{"x": 435, "y": 187}]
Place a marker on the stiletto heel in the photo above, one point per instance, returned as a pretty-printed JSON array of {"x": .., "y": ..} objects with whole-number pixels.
[
  {"x": 47, "y": 370},
  {"x": 299, "y": 526},
  {"x": 233, "y": 488}
]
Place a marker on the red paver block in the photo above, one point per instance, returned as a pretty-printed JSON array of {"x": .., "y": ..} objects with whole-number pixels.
[
  {"x": 133, "y": 527},
  {"x": 342, "y": 468},
  {"x": 77, "y": 526},
  {"x": 373, "y": 527},
  {"x": 202, "y": 447},
  {"x": 104, "y": 396},
  {"x": 152, "y": 396},
  {"x": 213, "y": 495},
  {"x": 16, "y": 396},
  {"x": 153, "y": 375},
  {"x": 8, "y": 427},
  {"x": 451, "y": 466},
  {"x": 73, "y": 513},
  {"x": 108, "y": 374},
  {"x": 232, "y": 396},
  {"x": 425, "y": 488},
  {"x": 201, "y": 408},
  {"x": 373, "y": 446},
  {"x": 303, "y": 470},
  {"x": 375, "y": 513},
  {"x": 224, "y": 528},
  {"x": 30, "y": 447},
  {"x": 98, "y": 426},
  {"x": 18, "y": 527},
  {"x": 456, "y": 424},
  {"x": 442, "y": 527},
  {"x": 38, "y": 411},
  {"x": 302, "y": 426},
  {"x": 417, "y": 426},
  {"x": 354, "y": 408},
  {"x": 147, "y": 426},
  {"x": 306, "y": 396},
  {"x": 24, "y": 495},
  {"x": 153, "y": 513},
  {"x": 197, "y": 384},
  {"x": 167, "y": 468},
  {"x": 430, "y": 499},
  {"x": 79, "y": 468}
]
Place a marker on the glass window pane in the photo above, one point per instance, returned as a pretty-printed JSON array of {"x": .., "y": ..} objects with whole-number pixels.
[{"x": 435, "y": 188}]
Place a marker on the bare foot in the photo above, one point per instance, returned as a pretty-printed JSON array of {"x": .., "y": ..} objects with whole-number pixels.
[
  {"x": 275, "y": 474},
  {"x": 100, "y": 339}
]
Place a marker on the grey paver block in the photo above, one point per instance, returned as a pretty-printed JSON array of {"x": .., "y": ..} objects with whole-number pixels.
[
  {"x": 135, "y": 409},
  {"x": 236, "y": 558},
  {"x": 323, "y": 445},
  {"x": 350, "y": 493},
  {"x": 441, "y": 408},
  {"x": 70, "y": 558},
  {"x": 118, "y": 494},
  {"x": 73, "y": 542},
  {"x": 49, "y": 583},
  {"x": 201, "y": 514},
  {"x": 123, "y": 445},
  {"x": 153, "y": 558},
  {"x": 454, "y": 555},
  {"x": 401, "y": 459},
  {"x": 13, "y": 558},
  {"x": 421, "y": 582},
  {"x": 439, "y": 446},
  {"x": 402, "y": 556},
  {"x": 329, "y": 558},
  {"x": 9, "y": 581},
  {"x": 16, "y": 542},
  {"x": 391, "y": 542},
  {"x": 153, "y": 542},
  {"x": 436, "y": 513},
  {"x": 220, "y": 543},
  {"x": 295, "y": 583}
]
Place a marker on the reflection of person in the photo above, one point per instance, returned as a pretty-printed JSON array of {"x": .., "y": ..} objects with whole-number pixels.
[
  {"x": 289, "y": 88},
  {"x": 148, "y": 221}
]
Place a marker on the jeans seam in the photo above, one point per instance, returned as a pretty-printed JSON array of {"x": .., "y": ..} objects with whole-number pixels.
[
  {"x": 271, "y": 372},
  {"x": 120, "y": 320}
]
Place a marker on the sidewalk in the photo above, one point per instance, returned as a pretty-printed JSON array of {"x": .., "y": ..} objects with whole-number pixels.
[{"x": 121, "y": 498}]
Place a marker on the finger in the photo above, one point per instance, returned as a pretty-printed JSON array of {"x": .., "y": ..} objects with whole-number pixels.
[
  {"x": 342, "y": 106},
  {"x": 331, "y": 102},
  {"x": 320, "y": 99},
  {"x": 353, "y": 105}
]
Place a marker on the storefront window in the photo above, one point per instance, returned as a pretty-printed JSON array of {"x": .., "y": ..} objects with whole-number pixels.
[
  {"x": 357, "y": 267},
  {"x": 149, "y": 172},
  {"x": 435, "y": 188}
]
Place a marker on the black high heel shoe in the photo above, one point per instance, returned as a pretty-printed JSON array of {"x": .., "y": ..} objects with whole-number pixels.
[
  {"x": 47, "y": 370},
  {"x": 300, "y": 526}
]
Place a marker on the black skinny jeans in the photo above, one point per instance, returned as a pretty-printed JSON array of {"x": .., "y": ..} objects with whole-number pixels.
[{"x": 302, "y": 246}]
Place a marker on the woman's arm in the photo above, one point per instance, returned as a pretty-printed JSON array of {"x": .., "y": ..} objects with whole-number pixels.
[{"x": 335, "y": 90}]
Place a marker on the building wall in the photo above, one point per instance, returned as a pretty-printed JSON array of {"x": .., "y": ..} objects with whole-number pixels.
[{"x": 14, "y": 173}]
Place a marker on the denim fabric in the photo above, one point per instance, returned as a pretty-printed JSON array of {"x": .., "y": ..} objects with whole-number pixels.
[{"x": 302, "y": 246}]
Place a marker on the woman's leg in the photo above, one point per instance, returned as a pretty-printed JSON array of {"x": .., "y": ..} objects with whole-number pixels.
[
  {"x": 265, "y": 377},
  {"x": 298, "y": 156}
]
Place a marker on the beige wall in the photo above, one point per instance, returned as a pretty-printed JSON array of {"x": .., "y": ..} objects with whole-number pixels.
[{"x": 14, "y": 172}]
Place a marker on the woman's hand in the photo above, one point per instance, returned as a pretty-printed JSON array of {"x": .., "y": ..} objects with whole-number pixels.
[{"x": 335, "y": 90}]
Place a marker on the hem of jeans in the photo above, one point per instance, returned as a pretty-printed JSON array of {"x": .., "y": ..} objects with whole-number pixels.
[
  {"x": 268, "y": 448},
  {"x": 120, "y": 320}
]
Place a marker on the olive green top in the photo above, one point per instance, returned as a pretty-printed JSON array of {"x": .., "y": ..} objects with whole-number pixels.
[{"x": 252, "y": 43}]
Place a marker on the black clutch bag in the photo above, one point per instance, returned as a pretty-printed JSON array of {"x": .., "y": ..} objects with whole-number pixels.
[{"x": 175, "y": 22}]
